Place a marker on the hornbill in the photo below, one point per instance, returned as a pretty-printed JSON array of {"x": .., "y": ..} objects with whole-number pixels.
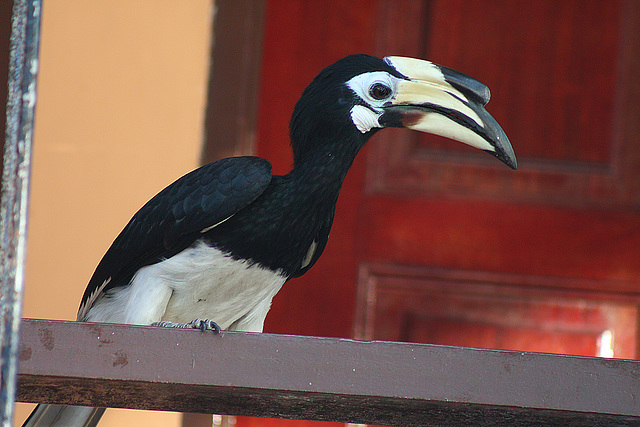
[{"x": 213, "y": 248}]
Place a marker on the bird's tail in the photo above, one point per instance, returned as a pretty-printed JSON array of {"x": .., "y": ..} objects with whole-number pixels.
[{"x": 64, "y": 416}]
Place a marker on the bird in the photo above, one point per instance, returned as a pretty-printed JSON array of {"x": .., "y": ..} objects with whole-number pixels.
[{"x": 212, "y": 249}]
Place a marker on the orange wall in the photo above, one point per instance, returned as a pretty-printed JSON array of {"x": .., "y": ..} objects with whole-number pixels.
[{"x": 121, "y": 98}]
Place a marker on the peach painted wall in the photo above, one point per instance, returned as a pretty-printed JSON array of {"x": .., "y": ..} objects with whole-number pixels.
[{"x": 120, "y": 113}]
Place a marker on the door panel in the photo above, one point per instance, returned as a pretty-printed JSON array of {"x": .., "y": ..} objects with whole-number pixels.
[
  {"x": 560, "y": 73},
  {"x": 500, "y": 311}
]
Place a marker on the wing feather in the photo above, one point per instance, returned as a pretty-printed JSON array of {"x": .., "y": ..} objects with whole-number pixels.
[{"x": 172, "y": 220}]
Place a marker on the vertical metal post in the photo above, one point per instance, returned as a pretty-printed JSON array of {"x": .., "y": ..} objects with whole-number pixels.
[{"x": 21, "y": 100}]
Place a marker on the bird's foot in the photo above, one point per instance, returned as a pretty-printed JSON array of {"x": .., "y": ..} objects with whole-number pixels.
[{"x": 203, "y": 325}]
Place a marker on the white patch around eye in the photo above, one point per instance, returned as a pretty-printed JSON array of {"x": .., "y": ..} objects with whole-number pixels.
[
  {"x": 364, "y": 118},
  {"x": 361, "y": 84}
]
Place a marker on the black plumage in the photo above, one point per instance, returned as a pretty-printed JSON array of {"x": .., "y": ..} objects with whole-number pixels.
[
  {"x": 219, "y": 242},
  {"x": 274, "y": 220},
  {"x": 174, "y": 218}
]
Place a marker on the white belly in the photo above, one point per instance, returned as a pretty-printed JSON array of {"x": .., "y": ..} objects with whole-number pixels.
[{"x": 199, "y": 282}]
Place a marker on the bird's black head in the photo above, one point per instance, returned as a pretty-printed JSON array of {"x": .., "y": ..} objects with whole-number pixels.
[
  {"x": 322, "y": 115},
  {"x": 355, "y": 97}
]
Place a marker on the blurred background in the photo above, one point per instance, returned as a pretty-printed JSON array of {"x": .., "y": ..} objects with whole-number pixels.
[{"x": 433, "y": 241}]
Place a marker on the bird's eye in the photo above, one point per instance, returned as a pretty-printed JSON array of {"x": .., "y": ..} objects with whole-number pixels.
[{"x": 379, "y": 91}]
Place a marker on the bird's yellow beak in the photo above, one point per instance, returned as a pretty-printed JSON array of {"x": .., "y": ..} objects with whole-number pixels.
[{"x": 445, "y": 102}]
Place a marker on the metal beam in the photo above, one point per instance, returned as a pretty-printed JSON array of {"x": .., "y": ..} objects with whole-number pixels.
[
  {"x": 320, "y": 378},
  {"x": 21, "y": 99}
]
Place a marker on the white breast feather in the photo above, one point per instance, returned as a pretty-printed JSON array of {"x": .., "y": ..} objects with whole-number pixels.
[{"x": 199, "y": 282}]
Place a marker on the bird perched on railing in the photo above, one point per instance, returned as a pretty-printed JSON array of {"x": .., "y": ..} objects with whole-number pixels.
[{"x": 212, "y": 249}]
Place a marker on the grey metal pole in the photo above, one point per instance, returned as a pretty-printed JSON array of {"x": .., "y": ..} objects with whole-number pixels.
[{"x": 21, "y": 100}]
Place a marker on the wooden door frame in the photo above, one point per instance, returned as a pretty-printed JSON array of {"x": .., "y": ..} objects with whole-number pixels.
[{"x": 232, "y": 101}]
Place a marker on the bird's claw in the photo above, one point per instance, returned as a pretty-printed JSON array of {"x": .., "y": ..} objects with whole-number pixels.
[{"x": 202, "y": 324}]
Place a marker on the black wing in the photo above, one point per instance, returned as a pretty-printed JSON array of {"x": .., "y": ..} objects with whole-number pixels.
[{"x": 174, "y": 218}]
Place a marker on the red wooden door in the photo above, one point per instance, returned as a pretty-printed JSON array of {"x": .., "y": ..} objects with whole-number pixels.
[{"x": 435, "y": 242}]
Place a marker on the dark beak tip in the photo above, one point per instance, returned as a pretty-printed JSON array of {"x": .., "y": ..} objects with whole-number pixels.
[{"x": 507, "y": 157}]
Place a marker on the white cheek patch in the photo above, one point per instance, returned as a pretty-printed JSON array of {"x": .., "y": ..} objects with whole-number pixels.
[{"x": 364, "y": 118}]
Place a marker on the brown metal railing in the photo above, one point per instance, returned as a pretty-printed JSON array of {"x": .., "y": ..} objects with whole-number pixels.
[{"x": 326, "y": 379}]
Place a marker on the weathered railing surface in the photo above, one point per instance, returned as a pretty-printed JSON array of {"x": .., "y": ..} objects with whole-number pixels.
[{"x": 320, "y": 378}]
